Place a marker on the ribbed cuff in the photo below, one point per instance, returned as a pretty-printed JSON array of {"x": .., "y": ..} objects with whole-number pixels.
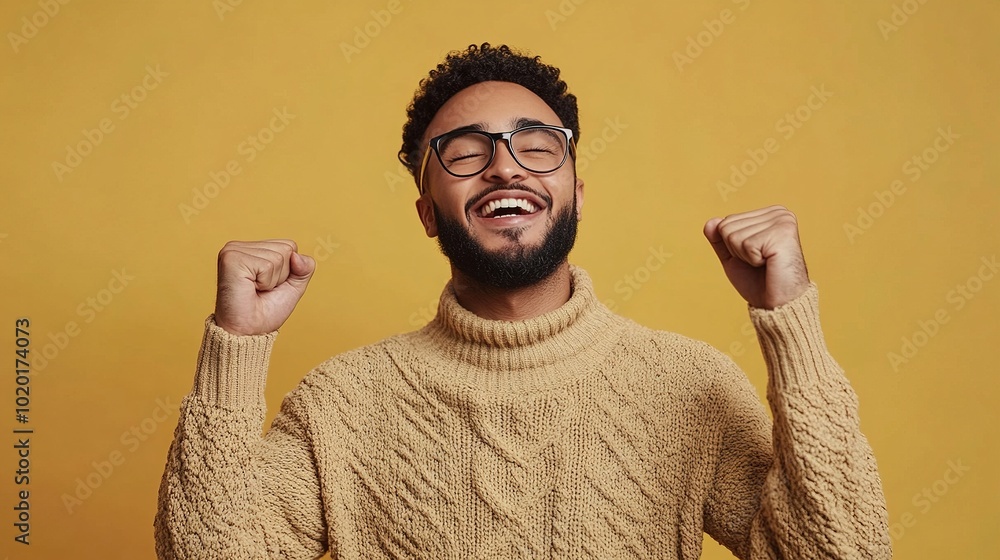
[
  {"x": 232, "y": 370},
  {"x": 792, "y": 341}
]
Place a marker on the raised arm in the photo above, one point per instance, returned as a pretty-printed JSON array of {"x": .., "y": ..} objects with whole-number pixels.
[
  {"x": 226, "y": 492},
  {"x": 811, "y": 488}
]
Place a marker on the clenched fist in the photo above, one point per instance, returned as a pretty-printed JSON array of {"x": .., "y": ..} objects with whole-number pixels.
[
  {"x": 761, "y": 254},
  {"x": 259, "y": 284}
]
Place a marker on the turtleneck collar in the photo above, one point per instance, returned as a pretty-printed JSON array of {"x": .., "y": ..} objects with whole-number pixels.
[{"x": 538, "y": 352}]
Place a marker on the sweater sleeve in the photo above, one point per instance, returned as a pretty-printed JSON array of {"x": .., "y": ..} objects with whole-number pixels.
[
  {"x": 810, "y": 488},
  {"x": 226, "y": 492}
]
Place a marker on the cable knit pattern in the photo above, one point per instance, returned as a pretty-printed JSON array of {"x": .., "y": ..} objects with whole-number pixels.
[{"x": 576, "y": 434}]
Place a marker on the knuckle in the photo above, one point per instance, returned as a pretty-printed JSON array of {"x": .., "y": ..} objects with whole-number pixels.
[
  {"x": 227, "y": 256},
  {"x": 230, "y": 251},
  {"x": 277, "y": 259}
]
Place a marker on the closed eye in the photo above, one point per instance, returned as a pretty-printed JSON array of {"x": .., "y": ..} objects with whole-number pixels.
[{"x": 464, "y": 157}]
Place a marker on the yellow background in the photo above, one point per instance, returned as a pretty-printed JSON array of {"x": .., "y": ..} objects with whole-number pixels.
[{"x": 330, "y": 177}]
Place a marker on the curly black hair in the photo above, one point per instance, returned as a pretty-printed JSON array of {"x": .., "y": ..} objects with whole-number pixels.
[{"x": 462, "y": 69}]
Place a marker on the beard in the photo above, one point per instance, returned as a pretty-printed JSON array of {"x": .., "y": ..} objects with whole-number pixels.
[{"x": 512, "y": 268}]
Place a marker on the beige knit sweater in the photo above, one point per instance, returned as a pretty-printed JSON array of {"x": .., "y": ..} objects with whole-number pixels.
[{"x": 576, "y": 434}]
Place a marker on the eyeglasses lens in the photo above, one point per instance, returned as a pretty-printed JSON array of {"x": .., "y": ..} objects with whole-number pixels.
[{"x": 540, "y": 150}]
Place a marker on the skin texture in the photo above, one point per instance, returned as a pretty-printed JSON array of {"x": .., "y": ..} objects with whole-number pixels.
[{"x": 260, "y": 282}]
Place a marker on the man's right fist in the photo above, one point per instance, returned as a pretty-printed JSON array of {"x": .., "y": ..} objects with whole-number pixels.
[{"x": 259, "y": 284}]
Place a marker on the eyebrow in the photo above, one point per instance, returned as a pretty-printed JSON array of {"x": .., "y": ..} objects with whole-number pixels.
[
  {"x": 516, "y": 123},
  {"x": 524, "y": 121}
]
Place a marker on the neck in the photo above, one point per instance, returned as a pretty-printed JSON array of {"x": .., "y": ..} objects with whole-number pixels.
[{"x": 513, "y": 305}]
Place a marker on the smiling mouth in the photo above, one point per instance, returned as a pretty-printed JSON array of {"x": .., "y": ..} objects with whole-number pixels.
[{"x": 503, "y": 207}]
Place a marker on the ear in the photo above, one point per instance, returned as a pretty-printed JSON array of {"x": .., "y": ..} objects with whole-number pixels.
[
  {"x": 579, "y": 199},
  {"x": 425, "y": 210}
]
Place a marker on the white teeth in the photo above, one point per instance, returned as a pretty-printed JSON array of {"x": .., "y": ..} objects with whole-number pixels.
[{"x": 491, "y": 206}]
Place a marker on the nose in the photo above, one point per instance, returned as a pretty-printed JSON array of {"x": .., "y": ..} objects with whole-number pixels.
[{"x": 504, "y": 169}]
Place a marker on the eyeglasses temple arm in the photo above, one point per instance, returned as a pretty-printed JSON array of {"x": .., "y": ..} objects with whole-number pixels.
[{"x": 423, "y": 168}]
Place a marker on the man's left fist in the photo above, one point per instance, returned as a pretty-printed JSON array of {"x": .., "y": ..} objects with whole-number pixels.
[{"x": 761, "y": 254}]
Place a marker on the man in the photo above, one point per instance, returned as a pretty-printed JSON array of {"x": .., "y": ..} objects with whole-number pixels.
[{"x": 526, "y": 420}]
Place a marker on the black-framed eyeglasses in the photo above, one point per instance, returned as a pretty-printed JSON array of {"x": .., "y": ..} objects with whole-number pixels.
[{"x": 464, "y": 153}]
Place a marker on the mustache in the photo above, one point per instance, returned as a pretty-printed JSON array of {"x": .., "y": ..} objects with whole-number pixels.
[{"x": 511, "y": 187}]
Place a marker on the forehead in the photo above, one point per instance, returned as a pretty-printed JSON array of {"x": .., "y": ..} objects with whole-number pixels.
[{"x": 495, "y": 105}]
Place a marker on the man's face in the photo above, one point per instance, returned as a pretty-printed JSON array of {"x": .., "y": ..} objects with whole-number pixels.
[{"x": 501, "y": 249}]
